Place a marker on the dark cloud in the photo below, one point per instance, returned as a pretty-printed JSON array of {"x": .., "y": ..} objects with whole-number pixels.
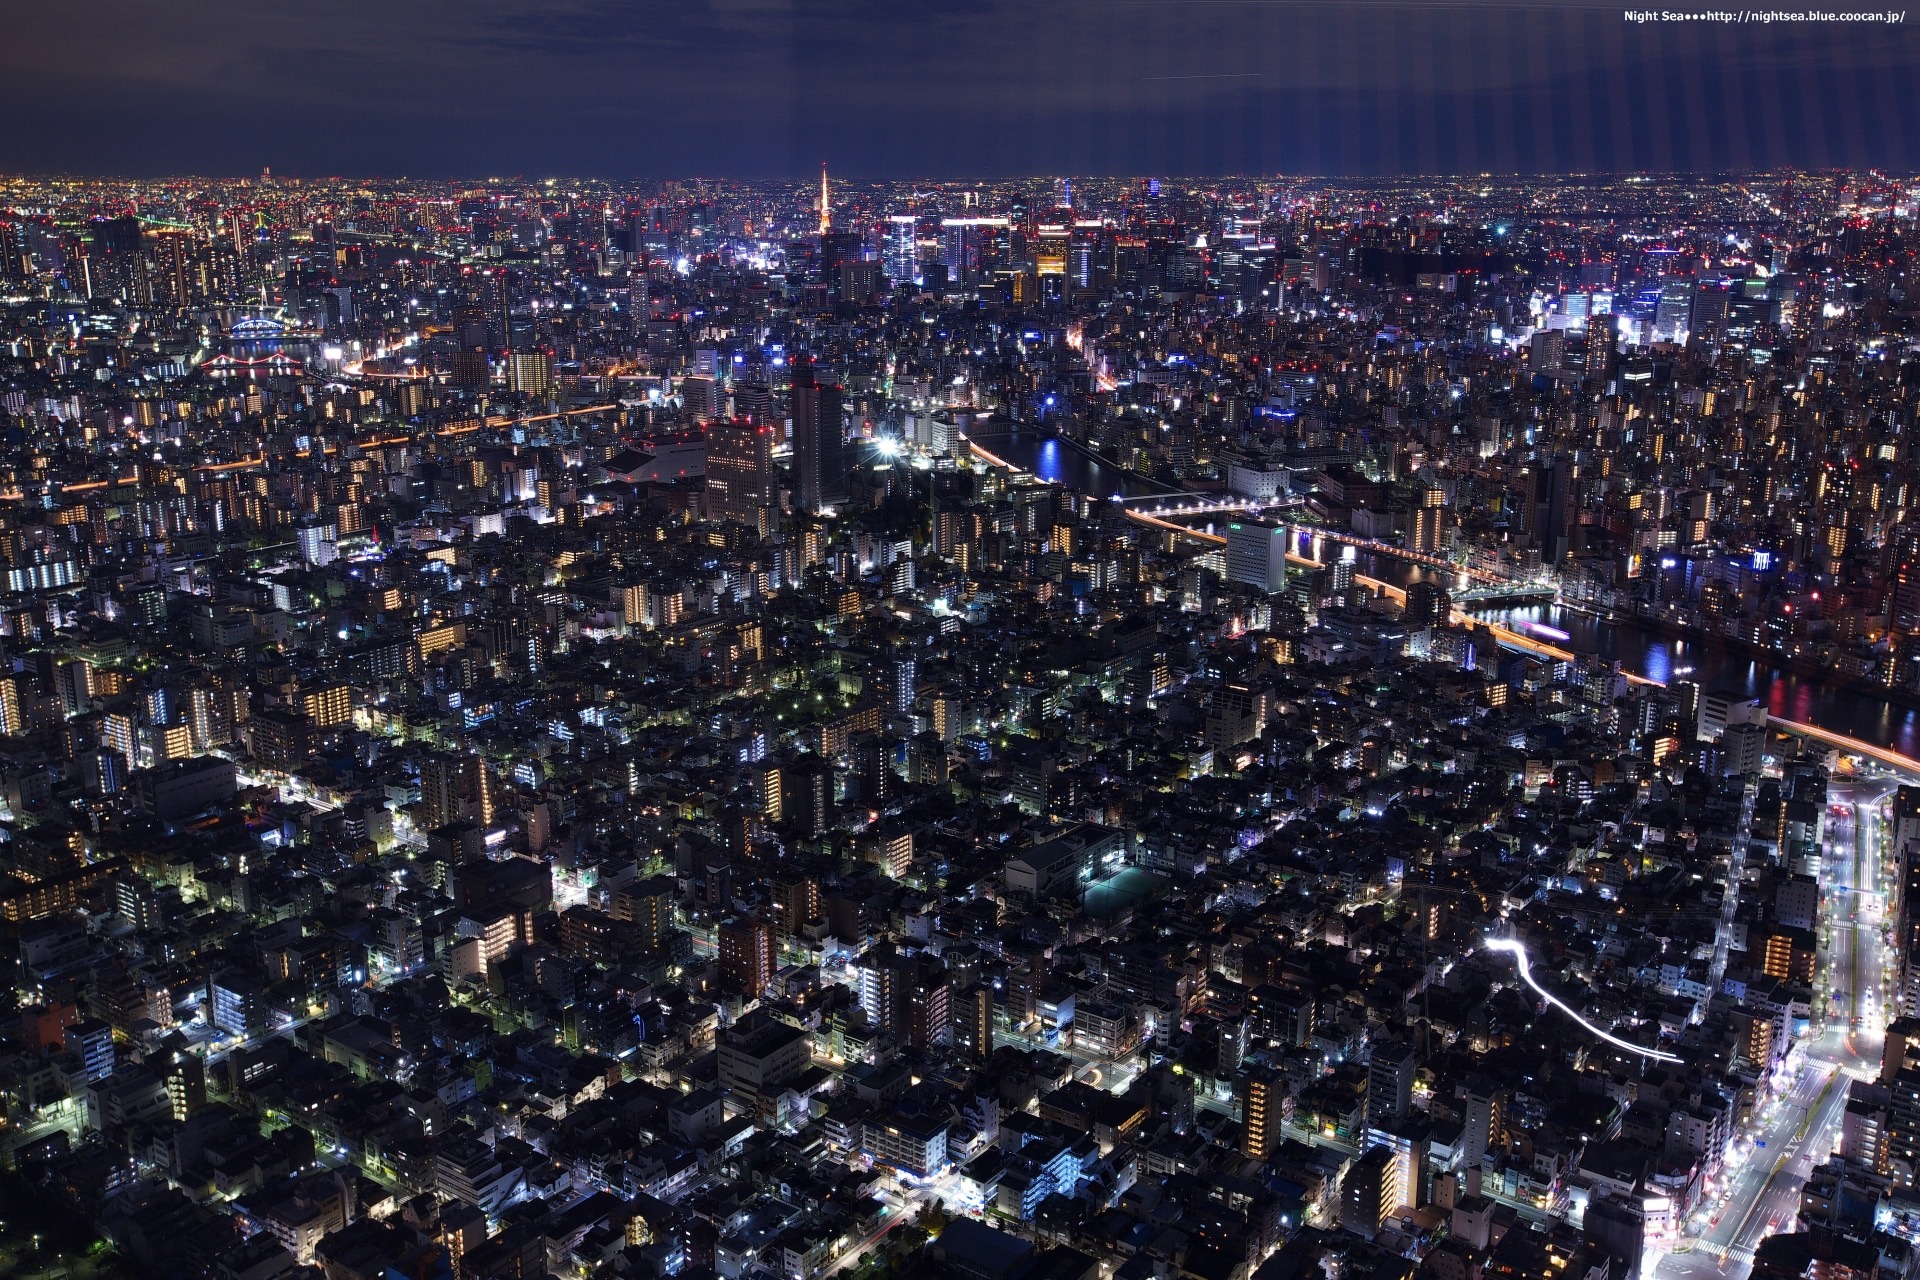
[{"x": 934, "y": 87}]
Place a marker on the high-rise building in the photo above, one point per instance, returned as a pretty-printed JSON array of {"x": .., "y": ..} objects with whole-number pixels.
[
  {"x": 838, "y": 250},
  {"x": 172, "y": 250},
  {"x": 1901, "y": 1050},
  {"x": 1257, "y": 554},
  {"x": 893, "y": 851},
  {"x": 1902, "y": 1143},
  {"x": 902, "y": 249},
  {"x": 1371, "y": 1192},
  {"x": 1547, "y": 352},
  {"x": 92, "y": 1041},
  {"x": 1708, "y": 316},
  {"x": 1674, "y": 310},
  {"x": 876, "y": 979},
  {"x": 753, "y": 402},
  {"x": 328, "y": 705},
  {"x": 1903, "y": 601},
  {"x": 796, "y": 903},
  {"x": 470, "y": 369},
  {"x": 453, "y": 788},
  {"x": 1484, "y": 1124},
  {"x": 1427, "y": 529},
  {"x": 1906, "y": 847},
  {"x": 1553, "y": 509},
  {"x": 1389, "y": 1082},
  {"x": 1050, "y": 249},
  {"x": 973, "y": 1022},
  {"x": 183, "y": 1073},
  {"x": 530, "y": 372},
  {"x": 740, "y": 475},
  {"x": 239, "y": 1000},
  {"x": 971, "y": 247},
  {"x": 819, "y": 442},
  {"x": 1428, "y": 604},
  {"x": 768, "y": 787},
  {"x": 927, "y": 1020},
  {"x": 11, "y": 722},
  {"x": 1263, "y": 1107},
  {"x": 903, "y": 682},
  {"x": 648, "y": 906},
  {"x": 907, "y": 996},
  {"x": 1743, "y": 748},
  {"x": 1603, "y": 332},
  {"x": 807, "y": 795},
  {"x": 746, "y": 956}
]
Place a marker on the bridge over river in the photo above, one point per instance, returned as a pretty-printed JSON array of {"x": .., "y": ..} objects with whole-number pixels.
[{"x": 1847, "y": 717}]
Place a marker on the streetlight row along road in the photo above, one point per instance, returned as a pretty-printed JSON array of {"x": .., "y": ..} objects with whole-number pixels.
[{"x": 1760, "y": 1186}]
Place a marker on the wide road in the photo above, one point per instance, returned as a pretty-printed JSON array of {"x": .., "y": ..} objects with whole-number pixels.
[
  {"x": 1758, "y": 1192},
  {"x": 1736, "y": 876}
]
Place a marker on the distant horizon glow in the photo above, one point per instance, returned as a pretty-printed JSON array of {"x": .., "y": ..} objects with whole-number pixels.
[{"x": 945, "y": 91}]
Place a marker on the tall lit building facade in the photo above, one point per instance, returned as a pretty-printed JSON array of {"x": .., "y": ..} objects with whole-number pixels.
[
  {"x": 1257, "y": 554},
  {"x": 740, "y": 475},
  {"x": 902, "y": 252},
  {"x": 819, "y": 442}
]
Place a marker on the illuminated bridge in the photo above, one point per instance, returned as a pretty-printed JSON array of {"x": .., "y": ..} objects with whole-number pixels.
[
  {"x": 1504, "y": 597},
  {"x": 1166, "y": 510},
  {"x": 1165, "y": 505},
  {"x": 1165, "y": 517}
]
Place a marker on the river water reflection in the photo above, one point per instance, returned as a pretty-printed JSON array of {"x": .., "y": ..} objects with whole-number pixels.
[{"x": 1656, "y": 655}]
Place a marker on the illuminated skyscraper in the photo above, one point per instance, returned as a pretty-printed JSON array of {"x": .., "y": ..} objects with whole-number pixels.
[
  {"x": 1050, "y": 249},
  {"x": 971, "y": 246},
  {"x": 1371, "y": 1192},
  {"x": 1553, "y": 509},
  {"x": 819, "y": 442},
  {"x": 172, "y": 266},
  {"x": 740, "y": 477},
  {"x": 901, "y": 249},
  {"x": 753, "y": 402},
  {"x": 1675, "y": 309},
  {"x": 973, "y": 1022},
  {"x": 1263, "y": 1110},
  {"x": 1257, "y": 554},
  {"x": 1903, "y": 604},
  {"x": 453, "y": 787},
  {"x": 746, "y": 956},
  {"x": 839, "y": 254}
]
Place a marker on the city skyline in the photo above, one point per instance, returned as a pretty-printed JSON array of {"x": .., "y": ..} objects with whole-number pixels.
[{"x": 832, "y": 727}]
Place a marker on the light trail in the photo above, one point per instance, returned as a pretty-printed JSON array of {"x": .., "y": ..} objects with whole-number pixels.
[
  {"x": 994, "y": 459},
  {"x": 1198, "y": 535},
  {"x": 1853, "y": 746},
  {"x": 1520, "y": 961}
]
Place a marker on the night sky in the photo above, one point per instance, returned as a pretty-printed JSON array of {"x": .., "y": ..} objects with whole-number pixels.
[{"x": 936, "y": 88}]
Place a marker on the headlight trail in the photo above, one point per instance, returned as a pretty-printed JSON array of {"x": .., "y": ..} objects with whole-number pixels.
[{"x": 1519, "y": 954}]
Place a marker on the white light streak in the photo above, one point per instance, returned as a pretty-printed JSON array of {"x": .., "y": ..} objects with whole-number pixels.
[{"x": 1519, "y": 954}]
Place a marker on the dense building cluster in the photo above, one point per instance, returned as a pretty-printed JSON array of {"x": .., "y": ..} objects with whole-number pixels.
[{"x": 708, "y": 729}]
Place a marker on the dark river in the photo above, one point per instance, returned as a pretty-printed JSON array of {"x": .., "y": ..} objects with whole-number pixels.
[
  {"x": 1066, "y": 463},
  {"x": 1788, "y": 694}
]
